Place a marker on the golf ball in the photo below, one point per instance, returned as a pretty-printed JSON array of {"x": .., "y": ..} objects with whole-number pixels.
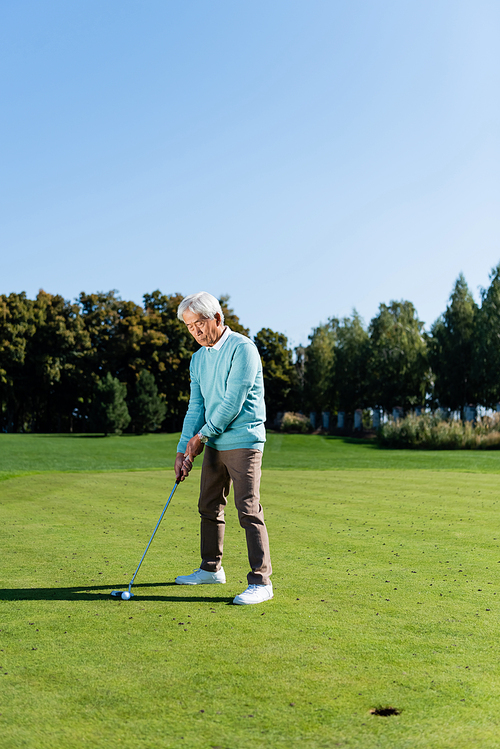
[{"x": 125, "y": 595}]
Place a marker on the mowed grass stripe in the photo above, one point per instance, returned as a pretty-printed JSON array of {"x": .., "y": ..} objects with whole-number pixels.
[
  {"x": 386, "y": 588},
  {"x": 38, "y": 453}
]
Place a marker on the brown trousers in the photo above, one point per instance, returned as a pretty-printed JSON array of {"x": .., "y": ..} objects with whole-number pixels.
[{"x": 242, "y": 469}]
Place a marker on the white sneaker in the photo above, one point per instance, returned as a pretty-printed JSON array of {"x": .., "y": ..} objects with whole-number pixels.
[
  {"x": 202, "y": 577},
  {"x": 254, "y": 594}
]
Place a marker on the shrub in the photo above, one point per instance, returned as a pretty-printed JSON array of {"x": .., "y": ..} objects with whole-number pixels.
[
  {"x": 109, "y": 408},
  {"x": 432, "y": 432},
  {"x": 148, "y": 407},
  {"x": 293, "y": 422}
]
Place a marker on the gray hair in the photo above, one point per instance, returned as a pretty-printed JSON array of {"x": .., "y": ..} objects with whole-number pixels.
[{"x": 201, "y": 303}]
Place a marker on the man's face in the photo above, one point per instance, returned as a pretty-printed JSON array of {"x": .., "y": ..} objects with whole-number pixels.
[{"x": 205, "y": 331}]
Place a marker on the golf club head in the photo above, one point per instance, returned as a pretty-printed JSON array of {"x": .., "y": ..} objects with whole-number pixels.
[{"x": 125, "y": 595}]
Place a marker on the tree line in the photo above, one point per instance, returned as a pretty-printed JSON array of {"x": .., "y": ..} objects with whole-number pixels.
[
  {"x": 104, "y": 364},
  {"x": 394, "y": 362},
  {"x": 71, "y": 366}
]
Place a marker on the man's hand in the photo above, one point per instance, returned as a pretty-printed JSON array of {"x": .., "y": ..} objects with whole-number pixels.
[
  {"x": 184, "y": 461},
  {"x": 182, "y": 466}
]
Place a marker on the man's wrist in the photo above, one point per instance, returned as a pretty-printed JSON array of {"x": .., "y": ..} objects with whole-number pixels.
[{"x": 203, "y": 439}]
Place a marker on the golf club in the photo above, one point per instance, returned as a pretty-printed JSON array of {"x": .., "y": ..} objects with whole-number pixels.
[{"x": 125, "y": 595}]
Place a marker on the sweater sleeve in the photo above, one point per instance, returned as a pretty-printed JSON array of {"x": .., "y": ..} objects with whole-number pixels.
[
  {"x": 245, "y": 364},
  {"x": 195, "y": 416}
]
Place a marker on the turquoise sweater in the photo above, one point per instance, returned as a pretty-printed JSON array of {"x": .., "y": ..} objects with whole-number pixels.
[{"x": 227, "y": 396}]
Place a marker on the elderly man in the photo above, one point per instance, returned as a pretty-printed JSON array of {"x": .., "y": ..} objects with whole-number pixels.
[{"x": 226, "y": 417}]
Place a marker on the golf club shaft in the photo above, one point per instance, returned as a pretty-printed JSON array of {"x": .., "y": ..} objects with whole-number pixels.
[{"x": 153, "y": 534}]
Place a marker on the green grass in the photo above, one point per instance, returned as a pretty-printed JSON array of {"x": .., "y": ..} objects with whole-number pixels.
[
  {"x": 31, "y": 453},
  {"x": 386, "y": 593}
]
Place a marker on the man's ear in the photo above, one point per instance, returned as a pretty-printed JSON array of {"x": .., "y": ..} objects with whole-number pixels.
[{"x": 218, "y": 318}]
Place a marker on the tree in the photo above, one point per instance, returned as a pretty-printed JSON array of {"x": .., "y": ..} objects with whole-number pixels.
[
  {"x": 40, "y": 343},
  {"x": 55, "y": 352},
  {"x": 169, "y": 356},
  {"x": 278, "y": 370},
  {"x": 147, "y": 407},
  {"x": 300, "y": 378},
  {"x": 17, "y": 326},
  {"x": 349, "y": 382},
  {"x": 451, "y": 350},
  {"x": 399, "y": 372},
  {"x": 127, "y": 338},
  {"x": 487, "y": 346},
  {"x": 319, "y": 363},
  {"x": 99, "y": 313},
  {"x": 109, "y": 408}
]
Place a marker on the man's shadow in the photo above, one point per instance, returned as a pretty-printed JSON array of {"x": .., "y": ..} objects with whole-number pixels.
[{"x": 92, "y": 593}]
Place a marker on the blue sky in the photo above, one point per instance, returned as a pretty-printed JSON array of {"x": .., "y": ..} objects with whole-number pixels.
[{"x": 303, "y": 157}]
